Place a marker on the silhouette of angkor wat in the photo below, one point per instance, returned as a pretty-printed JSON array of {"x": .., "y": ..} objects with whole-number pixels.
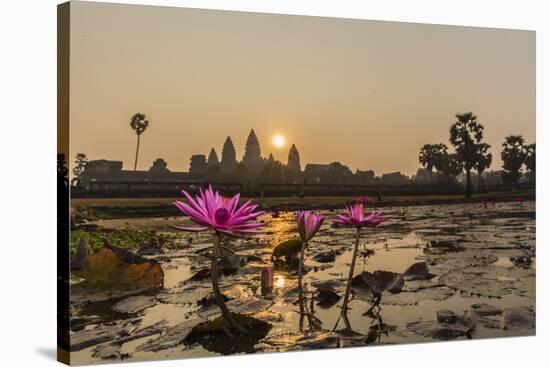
[{"x": 252, "y": 169}]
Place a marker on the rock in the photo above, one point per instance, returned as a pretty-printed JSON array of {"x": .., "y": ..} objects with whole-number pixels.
[
  {"x": 119, "y": 267},
  {"x": 134, "y": 304},
  {"x": 417, "y": 271},
  {"x": 518, "y": 318}
]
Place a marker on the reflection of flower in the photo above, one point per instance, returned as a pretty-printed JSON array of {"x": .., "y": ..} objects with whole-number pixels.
[
  {"x": 308, "y": 224},
  {"x": 212, "y": 211},
  {"x": 365, "y": 200},
  {"x": 356, "y": 217}
]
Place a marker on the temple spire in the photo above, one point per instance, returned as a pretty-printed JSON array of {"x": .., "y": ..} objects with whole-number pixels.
[
  {"x": 294, "y": 159},
  {"x": 229, "y": 156},
  {"x": 213, "y": 160},
  {"x": 252, "y": 151}
]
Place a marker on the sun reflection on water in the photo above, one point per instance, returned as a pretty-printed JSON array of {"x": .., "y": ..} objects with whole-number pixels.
[{"x": 279, "y": 281}]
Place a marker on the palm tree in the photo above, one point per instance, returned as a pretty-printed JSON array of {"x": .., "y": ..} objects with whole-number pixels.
[
  {"x": 466, "y": 135},
  {"x": 428, "y": 155},
  {"x": 483, "y": 162},
  {"x": 513, "y": 156},
  {"x": 531, "y": 160},
  {"x": 80, "y": 162},
  {"x": 138, "y": 124}
]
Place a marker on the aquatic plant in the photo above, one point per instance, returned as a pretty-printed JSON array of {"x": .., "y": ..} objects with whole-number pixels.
[
  {"x": 308, "y": 225},
  {"x": 405, "y": 203},
  {"x": 365, "y": 200},
  {"x": 520, "y": 200},
  {"x": 487, "y": 202},
  {"x": 213, "y": 212},
  {"x": 355, "y": 218}
]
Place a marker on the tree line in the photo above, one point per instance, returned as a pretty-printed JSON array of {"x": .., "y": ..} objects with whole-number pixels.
[{"x": 472, "y": 154}]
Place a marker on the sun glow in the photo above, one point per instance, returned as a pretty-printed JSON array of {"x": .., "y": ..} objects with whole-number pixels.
[{"x": 279, "y": 141}]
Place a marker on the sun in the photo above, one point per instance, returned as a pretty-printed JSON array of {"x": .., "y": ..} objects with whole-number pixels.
[{"x": 279, "y": 141}]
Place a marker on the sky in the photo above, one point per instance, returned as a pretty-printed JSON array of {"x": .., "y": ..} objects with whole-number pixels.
[{"x": 366, "y": 93}]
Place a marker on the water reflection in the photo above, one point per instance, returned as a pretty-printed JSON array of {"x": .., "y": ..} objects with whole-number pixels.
[{"x": 279, "y": 281}]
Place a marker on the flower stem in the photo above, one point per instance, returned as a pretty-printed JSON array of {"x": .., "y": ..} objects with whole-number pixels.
[
  {"x": 214, "y": 275},
  {"x": 348, "y": 286},
  {"x": 300, "y": 290}
]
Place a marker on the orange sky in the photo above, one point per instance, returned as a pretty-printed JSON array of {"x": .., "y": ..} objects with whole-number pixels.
[{"x": 365, "y": 93}]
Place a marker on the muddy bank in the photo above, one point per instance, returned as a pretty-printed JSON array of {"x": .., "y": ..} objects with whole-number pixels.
[{"x": 94, "y": 209}]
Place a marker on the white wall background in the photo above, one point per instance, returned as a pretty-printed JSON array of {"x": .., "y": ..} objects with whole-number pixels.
[{"x": 28, "y": 160}]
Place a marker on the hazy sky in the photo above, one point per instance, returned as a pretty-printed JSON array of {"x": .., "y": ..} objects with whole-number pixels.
[{"x": 366, "y": 93}]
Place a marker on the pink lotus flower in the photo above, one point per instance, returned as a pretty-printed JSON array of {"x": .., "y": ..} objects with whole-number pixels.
[
  {"x": 520, "y": 199},
  {"x": 365, "y": 200},
  {"x": 308, "y": 224},
  {"x": 356, "y": 217},
  {"x": 212, "y": 211},
  {"x": 407, "y": 202}
]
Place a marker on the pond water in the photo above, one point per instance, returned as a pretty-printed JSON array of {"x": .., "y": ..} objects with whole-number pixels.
[{"x": 475, "y": 255}]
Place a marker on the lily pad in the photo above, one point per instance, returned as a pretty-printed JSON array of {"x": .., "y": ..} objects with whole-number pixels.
[
  {"x": 448, "y": 326},
  {"x": 170, "y": 338},
  {"x": 120, "y": 267},
  {"x": 213, "y": 336},
  {"x": 369, "y": 284},
  {"x": 287, "y": 249},
  {"x": 518, "y": 318},
  {"x": 134, "y": 304}
]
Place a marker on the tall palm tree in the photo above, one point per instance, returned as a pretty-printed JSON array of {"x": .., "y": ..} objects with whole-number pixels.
[
  {"x": 531, "y": 160},
  {"x": 466, "y": 135},
  {"x": 427, "y": 157},
  {"x": 513, "y": 156},
  {"x": 138, "y": 124},
  {"x": 483, "y": 162}
]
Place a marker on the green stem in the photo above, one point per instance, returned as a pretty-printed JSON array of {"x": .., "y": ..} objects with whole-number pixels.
[
  {"x": 300, "y": 289},
  {"x": 214, "y": 277},
  {"x": 348, "y": 286}
]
